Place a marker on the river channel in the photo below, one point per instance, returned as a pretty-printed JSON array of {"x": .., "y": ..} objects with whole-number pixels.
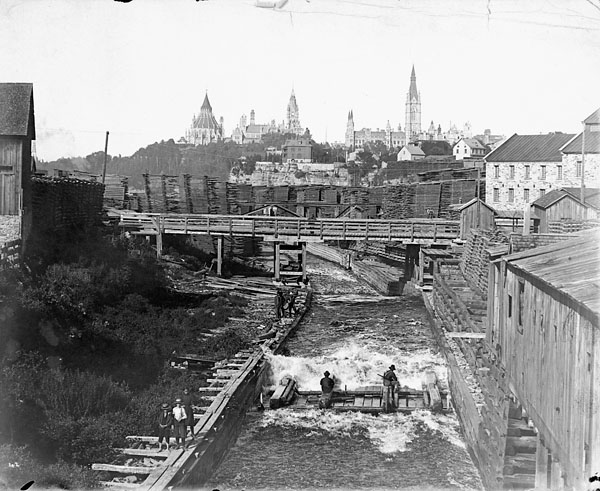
[{"x": 355, "y": 334}]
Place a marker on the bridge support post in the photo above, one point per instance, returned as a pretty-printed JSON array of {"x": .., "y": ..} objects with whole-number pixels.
[
  {"x": 541, "y": 465},
  {"x": 277, "y": 261},
  {"x": 219, "y": 255},
  {"x": 303, "y": 261}
]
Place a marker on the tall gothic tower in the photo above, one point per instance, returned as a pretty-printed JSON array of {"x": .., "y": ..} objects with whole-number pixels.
[
  {"x": 350, "y": 130},
  {"x": 293, "y": 116},
  {"x": 412, "y": 125}
]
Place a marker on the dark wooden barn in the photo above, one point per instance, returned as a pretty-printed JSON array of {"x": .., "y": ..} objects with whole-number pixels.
[{"x": 17, "y": 131}]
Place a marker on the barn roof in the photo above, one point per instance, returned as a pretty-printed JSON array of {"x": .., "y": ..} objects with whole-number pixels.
[
  {"x": 550, "y": 198},
  {"x": 530, "y": 148},
  {"x": 16, "y": 107},
  {"x": 570, "y": 269}
]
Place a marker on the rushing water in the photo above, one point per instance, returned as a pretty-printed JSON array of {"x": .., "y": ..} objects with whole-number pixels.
[{"x": 356, "y": 335}]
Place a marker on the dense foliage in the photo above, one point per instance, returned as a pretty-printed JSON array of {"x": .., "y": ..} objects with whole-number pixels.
[{"x": 85, "y": 348}]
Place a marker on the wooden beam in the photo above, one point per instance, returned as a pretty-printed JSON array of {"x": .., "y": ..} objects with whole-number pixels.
[
  {"x": 121, "y": 485},
  {"x": 143, "y": 452},
  {"x": 219, "y": 255},
  {"x": 277, "y": 261},
  {"x": 123, "y": 469},
  {"x": 465, "y": 335},
  {"x": 541, "y": 466}
]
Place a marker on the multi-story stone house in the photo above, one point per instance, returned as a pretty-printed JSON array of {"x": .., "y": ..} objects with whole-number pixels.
[
  {"x": 587, "y": 144},
  {"x": 297, "y": 151},
  {"x": 524, "y": 168}
]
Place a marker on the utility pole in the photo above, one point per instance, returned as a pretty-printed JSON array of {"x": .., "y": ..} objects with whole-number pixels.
[
  {"x": 583, "y": 165},
  {"x": 105, "y": 156}
]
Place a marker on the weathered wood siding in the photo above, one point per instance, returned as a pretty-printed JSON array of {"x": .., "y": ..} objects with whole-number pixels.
[
  {"x": 566, "y": 208},
  {"x": 469, "y": 219},
  {"x": 551, "y": 352},
  {"x": 11, "y": 156}
]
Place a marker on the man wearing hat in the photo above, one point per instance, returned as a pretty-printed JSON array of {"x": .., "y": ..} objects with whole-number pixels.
[
  {"x": 390, "y": 381},
  {"x": 327, "y": 384},
  {"x": 165, "y": 421},
  {"x": 179, "y": 422}
]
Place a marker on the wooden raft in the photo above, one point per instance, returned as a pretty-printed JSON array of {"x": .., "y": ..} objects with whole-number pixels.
[{"x": 367, "y": 400}]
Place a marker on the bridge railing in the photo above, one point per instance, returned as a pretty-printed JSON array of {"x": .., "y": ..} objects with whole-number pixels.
[{"x": 301, "y": 228}]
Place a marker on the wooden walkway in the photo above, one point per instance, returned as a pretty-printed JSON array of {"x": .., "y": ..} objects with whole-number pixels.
[
  {"x": 297, "y": 229},
  {"x": 366, "y": 400}
]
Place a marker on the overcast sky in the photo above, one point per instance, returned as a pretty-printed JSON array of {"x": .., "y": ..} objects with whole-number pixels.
[{"x": 141, "y": 69}]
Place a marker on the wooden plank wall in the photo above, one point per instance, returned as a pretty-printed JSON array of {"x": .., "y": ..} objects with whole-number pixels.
[
  {"x": 549, "y": 357},
  {"x": 10, "y": 176}
]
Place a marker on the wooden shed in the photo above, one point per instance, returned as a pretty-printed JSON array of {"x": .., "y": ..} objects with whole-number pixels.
[
  {"x": 562, "y": 204},
  {"x": 17, "y": 131},
  {"x": 543, "y": 314},
  {"x": 475, "y": 214}
]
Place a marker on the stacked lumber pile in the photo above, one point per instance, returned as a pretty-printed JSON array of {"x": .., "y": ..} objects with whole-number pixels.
[
  {"x": 385, "y": 279},
  {"x": 333, "y": 254},
  {"x": 217, "y": 196},
  {"x": 427, "y": 200},
  {"x": 195, "y": 194},
  {"x": 475, "y": 260},
  {"x": 162, "y": 193},
  {"x": 355, "y": 196},
  {"x": 330, "y": 195},
  {"x": 64, "y": 204},
  {"x": 281, "y": 194},
  {"x": 398, "y": 201}
]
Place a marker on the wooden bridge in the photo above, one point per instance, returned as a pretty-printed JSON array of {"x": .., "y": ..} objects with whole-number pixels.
[
  {"x": 296, "y": 231},
  {"x": 291, "y": 229}
]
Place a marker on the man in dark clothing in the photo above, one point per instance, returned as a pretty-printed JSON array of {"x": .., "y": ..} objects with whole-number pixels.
[
  {"x": 390, "y": 381},
  {"x": 165, "y": 421},
  {"x": 327, "y": 384},
  {"x": 188, "y": 401},
  {"x": 292, "y": 303},
  {"x": 279, "y": 301}
]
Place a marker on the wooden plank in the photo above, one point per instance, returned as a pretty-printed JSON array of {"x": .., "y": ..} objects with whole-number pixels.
[
  {"x": 465, "y": 335},
  {"x": 120, "y": 485},
  {"x": 123, "y": 469},
  {"x": 142, "y": 452}
]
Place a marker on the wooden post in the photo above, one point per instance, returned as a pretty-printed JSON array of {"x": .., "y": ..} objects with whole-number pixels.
[
  {"x": 104, "y": 166},
  {"x": 277, "y": 264},
  {"x": 541, "y": 465},
  {"x": 556, "y": 478},
  {"x": 219, "y": 255},
  {"x": 303, "y": 260}
]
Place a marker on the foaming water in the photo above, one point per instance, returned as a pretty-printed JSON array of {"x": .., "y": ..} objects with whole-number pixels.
[{"x": 354, "y": 334}]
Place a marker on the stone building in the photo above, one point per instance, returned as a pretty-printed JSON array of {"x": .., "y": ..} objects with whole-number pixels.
[
  {"x": 205, "y": 128},
  {"x": 578, "y": 170},
  {"x": 412, "y": 125},
  {"x": 356, "y": 139},
  {"x": 293, "y": 116},
  {"x": 524, "y": 168},
  {"x": 297, "y": 150}
]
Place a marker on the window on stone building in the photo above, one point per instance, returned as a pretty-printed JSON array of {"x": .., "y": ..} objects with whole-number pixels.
[
  {"x": 511, "y": 195},
  {"x": 543, "y": 173},
  {"x": 511, "y": 172},
  {"x": 496, "y": 195},
  {"x": 559, "y": 174},
  {"x": 542, "y": 192},
  {"x": 579, "y": 168},
  {"x": 526, "y": 195},
  {"x": 496, "y": 171},
  {"x": 527, "y": 172}
]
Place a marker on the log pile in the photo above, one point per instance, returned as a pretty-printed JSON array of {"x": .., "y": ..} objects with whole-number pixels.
[{"x": 64, "y": 204}]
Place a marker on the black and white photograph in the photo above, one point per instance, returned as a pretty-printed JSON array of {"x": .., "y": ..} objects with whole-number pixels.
[{"x": 263, "y": 245}]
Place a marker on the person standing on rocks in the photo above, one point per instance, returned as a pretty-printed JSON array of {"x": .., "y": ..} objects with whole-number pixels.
[
  {"x": 188, "y": 401},
  {"x": 179, "y": 423},
  {"x": 165, "y": 421},
  {"x": 292, "y": 303}
]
